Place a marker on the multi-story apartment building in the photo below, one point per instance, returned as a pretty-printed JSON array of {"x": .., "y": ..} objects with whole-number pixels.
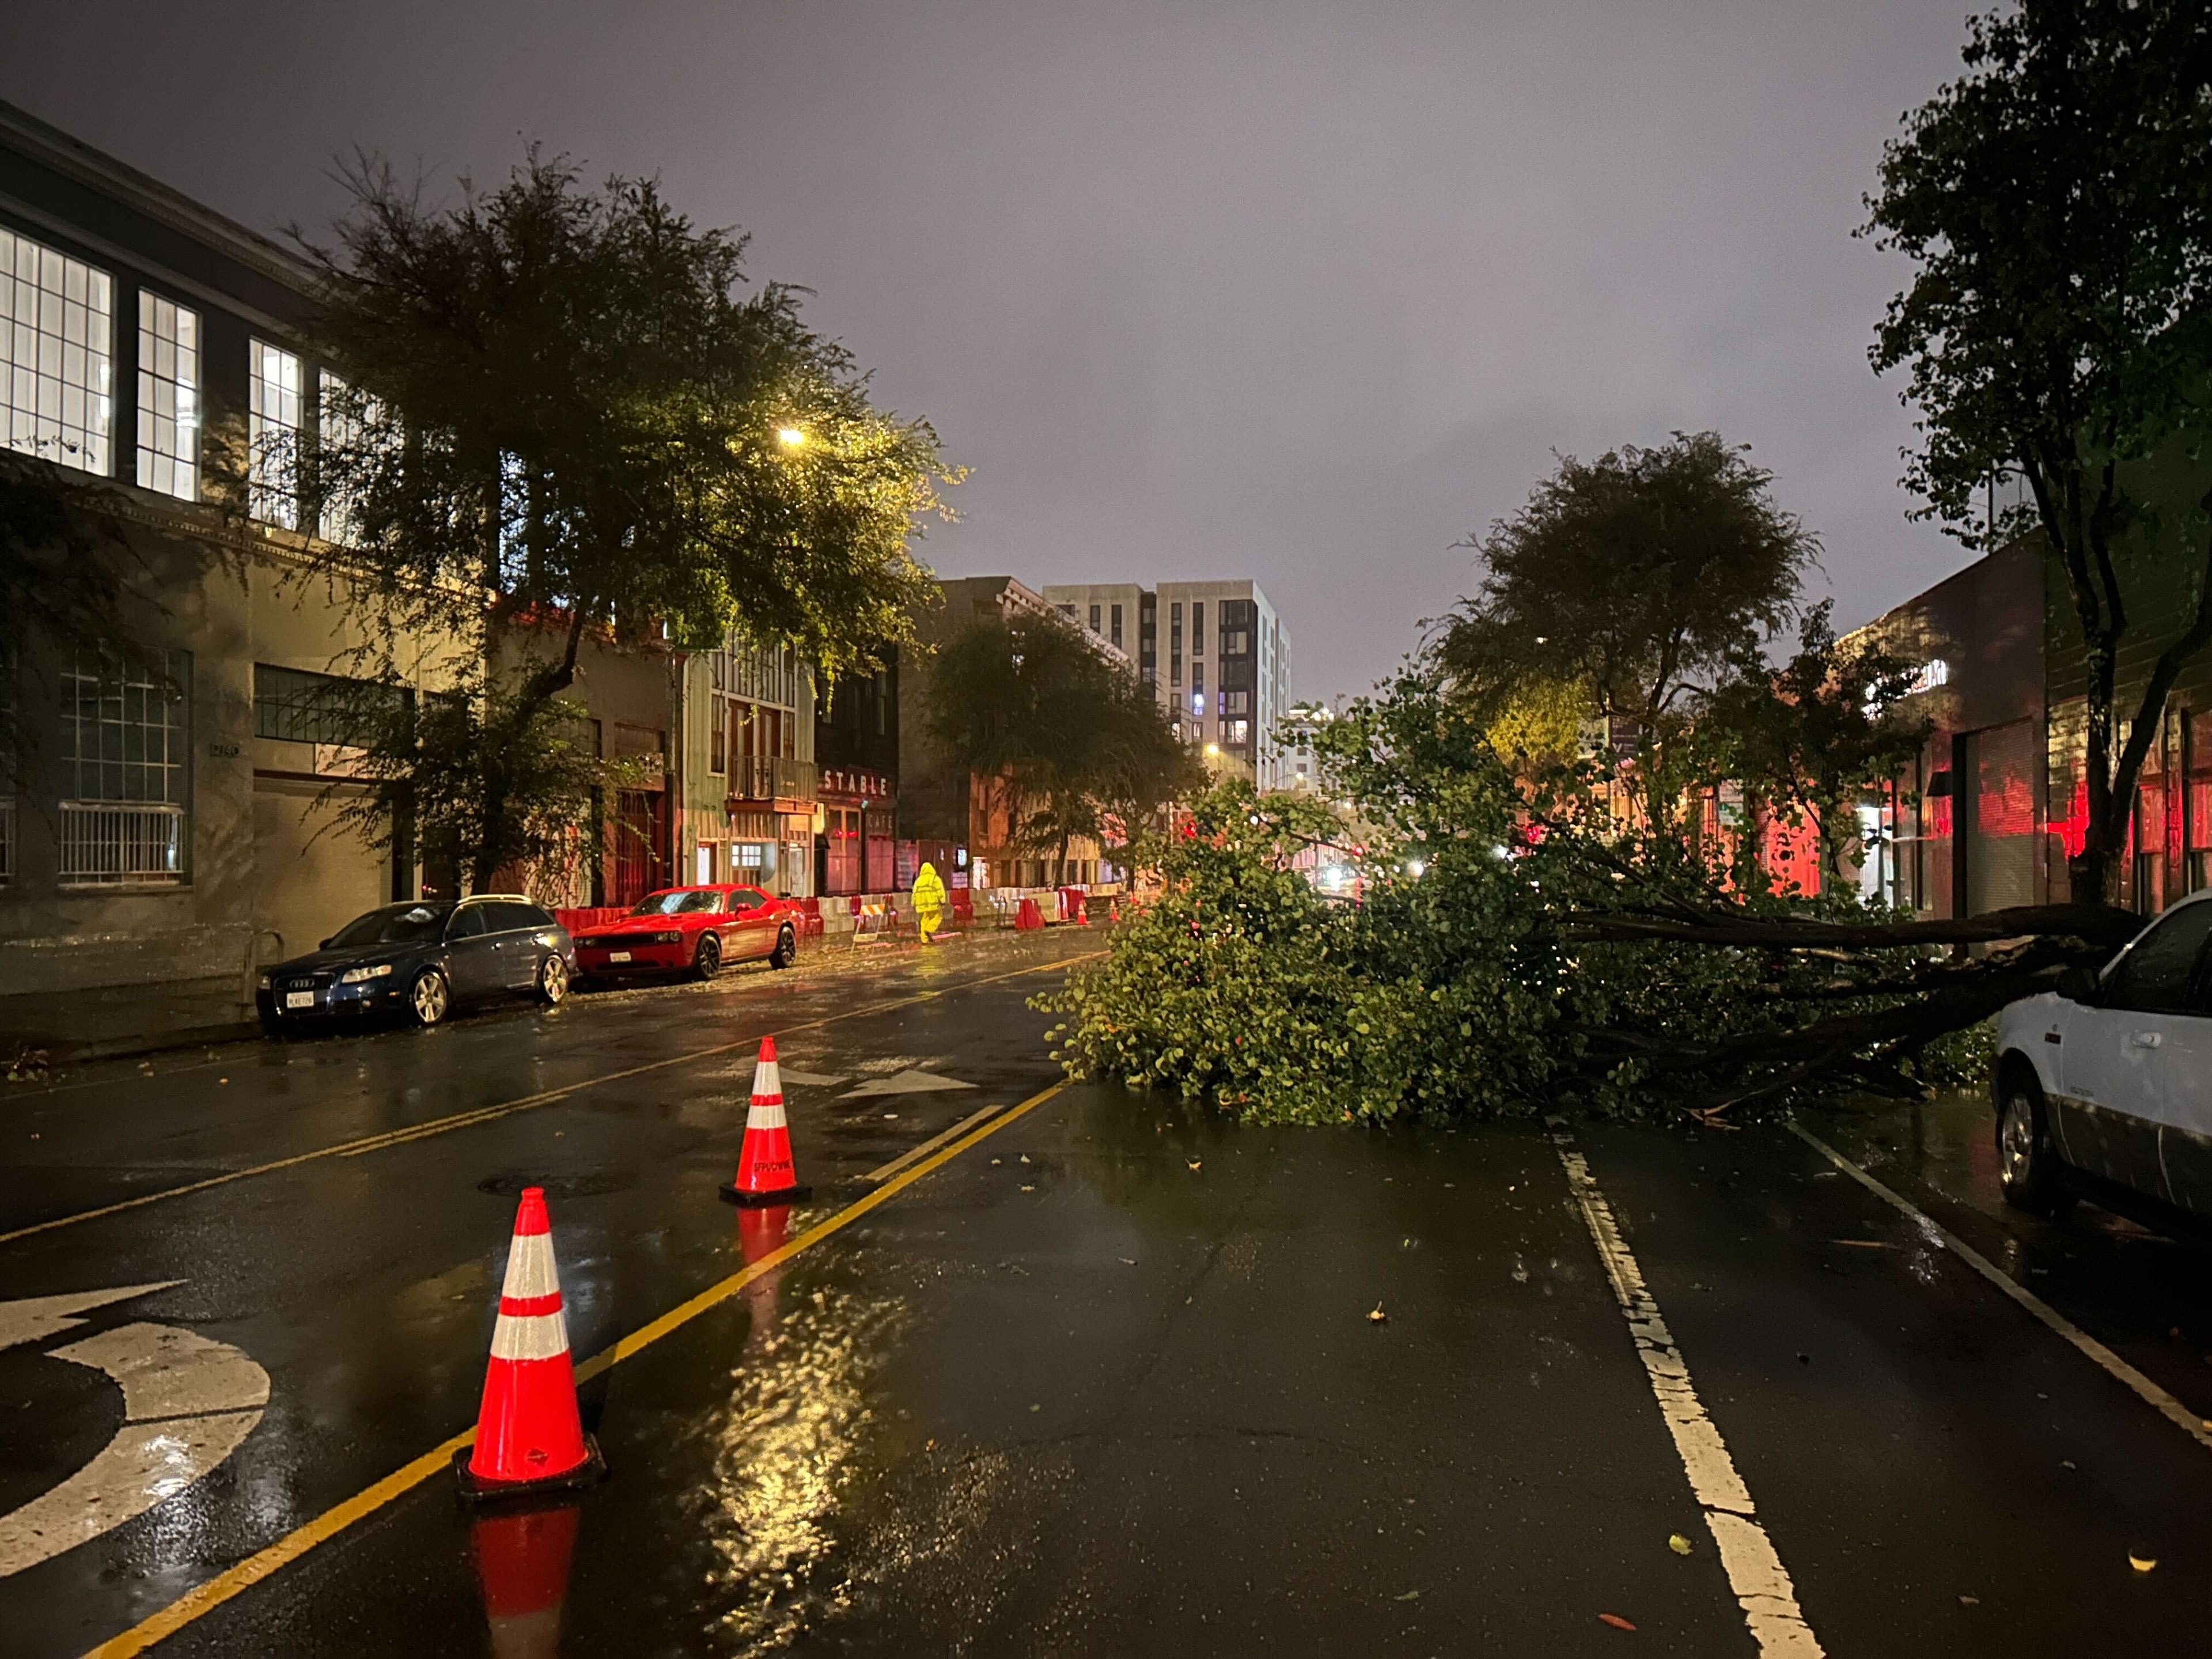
[
  {"x": 170, "y": 824},
  {"x": 1300, "y": 766},
  {"x": 1215, "y": 653},
  {"x": 961, "y": 822},
  {"x": 748, "y": 777}
]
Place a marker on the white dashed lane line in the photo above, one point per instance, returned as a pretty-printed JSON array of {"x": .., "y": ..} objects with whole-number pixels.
[{"x": 1754, "y": 1572}]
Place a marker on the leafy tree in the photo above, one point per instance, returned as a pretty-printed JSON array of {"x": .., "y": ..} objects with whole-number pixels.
[
  {"x": 1809, "y": 740},
  {"x": 1070, "y": 739},
  {"x": 1639, "y": 576},
  {"x": 1509, "y": 960},
  {"x": 69, "y": 580},
  {"x": 564, "y": 416},
  {"x": 2058, "y": 201}
]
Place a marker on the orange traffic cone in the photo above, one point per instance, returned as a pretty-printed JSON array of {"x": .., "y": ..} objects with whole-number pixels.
[
  {"x": 765, "y": 1175},
  {"x": 522, "y": 1564},
  {"x": 529, "y": 1437}
]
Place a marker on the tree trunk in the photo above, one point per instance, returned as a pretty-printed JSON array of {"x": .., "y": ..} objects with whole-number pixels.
[{"x": 539, "y": 689}]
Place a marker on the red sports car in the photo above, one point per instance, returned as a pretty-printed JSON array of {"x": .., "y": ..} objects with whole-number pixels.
[{"x": 693, "y": 928}]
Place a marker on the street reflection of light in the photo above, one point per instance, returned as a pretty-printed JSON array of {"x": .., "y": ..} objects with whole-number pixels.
[{"x": 779, "y": 1453}]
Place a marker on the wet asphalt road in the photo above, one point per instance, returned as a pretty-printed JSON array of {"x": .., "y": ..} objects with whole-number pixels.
[{"x": 1105, "y": 1382}]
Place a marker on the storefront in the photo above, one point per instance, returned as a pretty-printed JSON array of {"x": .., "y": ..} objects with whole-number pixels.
[{"x": 856, "y": 845}]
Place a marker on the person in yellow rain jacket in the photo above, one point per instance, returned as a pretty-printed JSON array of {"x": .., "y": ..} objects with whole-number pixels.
[{"x": 928, "y": 902}]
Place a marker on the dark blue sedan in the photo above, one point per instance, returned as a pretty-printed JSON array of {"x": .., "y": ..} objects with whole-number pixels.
[{"x": 422, "y": 961}]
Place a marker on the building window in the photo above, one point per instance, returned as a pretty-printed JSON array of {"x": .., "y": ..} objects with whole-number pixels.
[
  {"x": 1198, "y": 629},
  {"x": 882, "y": 703},
  {"x": 1236, "y": 731},
  {"x": 1094, "y": 619},
  {"x": 1114, "y": 617},
  {"x": 292, "y": 705},
  {"x": 125, "y": 747},
  {"x": 272, "y": 387},
  {"x": 351, "y": 427},
  {"x": 168, "y": 398},
  {"x": 1236, "y": 702},
  {"x": 57, "y": 354},
  {"x": 1197, "y": 679},
  {"x": 718, "y": 734},
  {"x": 1236, "y": 642}
]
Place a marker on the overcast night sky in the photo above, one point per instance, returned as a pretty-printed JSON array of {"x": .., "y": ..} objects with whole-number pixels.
[{"x": 1304, "y": 292}]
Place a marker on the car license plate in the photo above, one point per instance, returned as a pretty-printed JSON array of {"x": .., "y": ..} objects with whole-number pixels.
[
  {"x": 617, "y": 956},
  {"x": 299, "y": 999}
]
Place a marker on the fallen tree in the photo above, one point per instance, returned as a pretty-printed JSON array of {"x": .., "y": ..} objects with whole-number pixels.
[{"x": 1515, "y": 949}]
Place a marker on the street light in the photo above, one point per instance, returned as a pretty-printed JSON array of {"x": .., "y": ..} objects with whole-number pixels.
[
  {"x": 1213, "y": 749},
  {"x": 791, "y": 437}
]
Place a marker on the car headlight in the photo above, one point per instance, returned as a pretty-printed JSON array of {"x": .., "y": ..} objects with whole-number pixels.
[
  {"x": 668, "y": 939},
  {"x": 357, "y": 975},
  {"x": 262, "y": 984}
]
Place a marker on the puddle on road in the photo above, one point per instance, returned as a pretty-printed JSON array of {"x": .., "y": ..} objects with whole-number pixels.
[{"x": 780, "y": 1454}]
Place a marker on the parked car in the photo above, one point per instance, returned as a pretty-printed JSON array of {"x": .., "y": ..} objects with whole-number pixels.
[
  {"x": 2110, "y": 1079},
  {"x": 695, "y": 930},
  {"x": 422, "y": 961}
]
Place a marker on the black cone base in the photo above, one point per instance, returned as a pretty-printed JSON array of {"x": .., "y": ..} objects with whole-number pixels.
[
  {"x": 762, "y": 1201},
  {"x": 476, "y": 1490}
]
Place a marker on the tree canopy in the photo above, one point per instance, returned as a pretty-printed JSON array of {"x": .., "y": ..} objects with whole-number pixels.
[
  {"x": 1073, "y": 739},
  {"x": 1638, "y": 576},
  {"x": 562, "y": 413},
  {"x": 2057, "y": 199}
]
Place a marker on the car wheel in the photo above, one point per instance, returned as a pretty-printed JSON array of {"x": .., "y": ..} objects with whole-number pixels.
[
  {"x": 553, "y": 981},
  {"x": 707, "y": 962},
  {"x": 429, "y": 998},
  {"x": 787, "y": 949},
  {"x": 2027, "y": 1164}
]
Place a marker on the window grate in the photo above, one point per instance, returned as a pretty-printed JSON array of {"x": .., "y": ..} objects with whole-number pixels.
[{"x": 115, "y": 844}]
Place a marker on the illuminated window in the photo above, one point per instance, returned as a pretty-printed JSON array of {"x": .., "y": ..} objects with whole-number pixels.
[
  {"x": 272, "y": 386},
  {"x": 57, "y": 354},
  {"x": 168, "y": 398},
  {"x": 349, "y": 429}
]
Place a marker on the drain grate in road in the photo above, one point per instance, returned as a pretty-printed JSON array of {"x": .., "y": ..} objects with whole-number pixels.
[{"x": 568, "y": 1186}]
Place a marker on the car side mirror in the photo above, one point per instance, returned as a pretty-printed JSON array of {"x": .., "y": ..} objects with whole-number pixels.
[
  {"x": 2078, "y": 985},
  {"x": 325, "y": 945}
]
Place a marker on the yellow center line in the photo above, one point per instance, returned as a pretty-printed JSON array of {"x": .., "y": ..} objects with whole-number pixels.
[
  {"x": 377, "y": 1143},
  {"x": 197, "y": 1602}
]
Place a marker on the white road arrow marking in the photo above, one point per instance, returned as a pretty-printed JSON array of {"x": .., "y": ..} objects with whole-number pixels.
[
  {"x": 811, "y": 1080},
  {"x": 188, "y": 1403},
  {"x": 905, "y": 1083},
  {"x": 41, "y": 1316}
]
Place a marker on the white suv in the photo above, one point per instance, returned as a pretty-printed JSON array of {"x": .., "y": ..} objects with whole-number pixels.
[{"x": 2113, "y": 1077}]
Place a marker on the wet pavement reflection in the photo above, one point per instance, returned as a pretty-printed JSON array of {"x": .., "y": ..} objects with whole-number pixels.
[{"x": 1112, "y": 1379}]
